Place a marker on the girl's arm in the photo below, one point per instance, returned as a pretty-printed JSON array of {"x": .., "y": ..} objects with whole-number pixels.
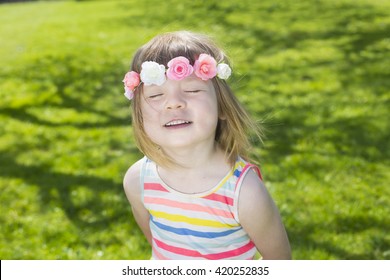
[
  {"x": 261, "y": 220},
  {"x": 131, "y": 184}
]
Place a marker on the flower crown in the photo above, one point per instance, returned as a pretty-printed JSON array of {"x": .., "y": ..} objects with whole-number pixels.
[{"x": 152, "y": 73}]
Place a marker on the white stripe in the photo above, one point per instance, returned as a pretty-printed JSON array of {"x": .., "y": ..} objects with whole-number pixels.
[{"x": 201, "y": 202}]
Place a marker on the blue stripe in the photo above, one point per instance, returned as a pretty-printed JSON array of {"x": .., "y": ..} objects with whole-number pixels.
[
  {"x": 237, "y": 173},
  {"x": 185, "y": 231}
]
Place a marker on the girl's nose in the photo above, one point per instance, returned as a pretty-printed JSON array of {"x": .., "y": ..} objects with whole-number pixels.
[{"x": 175, "y": 101}]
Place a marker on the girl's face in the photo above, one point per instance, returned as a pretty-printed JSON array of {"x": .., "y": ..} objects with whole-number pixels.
[{"x": 180, "y": 114}]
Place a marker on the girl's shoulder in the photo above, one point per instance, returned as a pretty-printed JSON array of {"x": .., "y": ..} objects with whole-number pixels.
[{"x": 131, "y": 180}]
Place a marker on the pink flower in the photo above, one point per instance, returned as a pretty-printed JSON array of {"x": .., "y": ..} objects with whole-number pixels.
[
  {"x": 131, "y": 80},
  {"x": 179, "y": 68},
  {"x": 205, "y": 67}
]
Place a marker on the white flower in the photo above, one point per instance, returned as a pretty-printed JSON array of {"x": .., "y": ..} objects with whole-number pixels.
[
  {"x": 223, "y": 71},
  {"x": 152, "y": 73}
]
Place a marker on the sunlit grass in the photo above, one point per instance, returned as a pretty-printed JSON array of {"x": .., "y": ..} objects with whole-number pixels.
[{"x": 316, "y": 74}]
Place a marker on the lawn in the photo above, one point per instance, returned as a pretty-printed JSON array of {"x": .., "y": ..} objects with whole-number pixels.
[{"x": 315, "y": 73}]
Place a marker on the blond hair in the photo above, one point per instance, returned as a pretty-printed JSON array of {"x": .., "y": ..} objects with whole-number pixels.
[{"x": 234, "y": 124}]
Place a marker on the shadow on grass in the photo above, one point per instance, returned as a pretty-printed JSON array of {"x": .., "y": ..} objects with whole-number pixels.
[
  {"x": 364, "y": 136},
  {"x": 353, "y": 135},
  {"x": 55, "y": 190},
  {"x": 71, "y": 85},
  {"x": 305, "y": 237},
  {"x": 23, "y": 115}
]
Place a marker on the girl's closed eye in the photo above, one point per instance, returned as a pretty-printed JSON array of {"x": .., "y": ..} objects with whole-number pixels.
[
  {"x": 192, "y": 90},
  {"x": 154, "y": 96}
]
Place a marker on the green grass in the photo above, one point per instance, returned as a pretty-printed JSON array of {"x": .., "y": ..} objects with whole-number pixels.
[{"x": 316, "y": 73}]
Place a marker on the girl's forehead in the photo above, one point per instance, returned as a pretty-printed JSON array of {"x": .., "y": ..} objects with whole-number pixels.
[{"x": 194, "y": 79}]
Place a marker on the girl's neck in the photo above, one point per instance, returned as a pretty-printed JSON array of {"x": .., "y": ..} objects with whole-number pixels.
[
  {"x": 196, "y": 171},
  {"x": 194, "y": 157}
]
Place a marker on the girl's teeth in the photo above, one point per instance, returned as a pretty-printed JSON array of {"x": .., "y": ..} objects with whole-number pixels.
[{"x": 176, "y": 123}]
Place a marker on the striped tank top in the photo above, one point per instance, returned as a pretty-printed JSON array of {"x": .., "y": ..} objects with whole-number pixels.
[{"x": 196, "y": 226}]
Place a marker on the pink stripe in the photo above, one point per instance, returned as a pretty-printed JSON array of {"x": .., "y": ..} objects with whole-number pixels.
[
  {"x": 188, "y": 206},
  {"x": 220, "y": 198},
  {"x": 154, "y": 187},
  {"x": 176, "y": 250},
  {"x": 192, "y": 253},
  {"x": 255, "y": 168},
  {"x": 232, "y": 253}
]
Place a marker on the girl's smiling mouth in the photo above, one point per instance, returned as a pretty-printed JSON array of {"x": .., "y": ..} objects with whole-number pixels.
[{"x": 177, "y": 123}]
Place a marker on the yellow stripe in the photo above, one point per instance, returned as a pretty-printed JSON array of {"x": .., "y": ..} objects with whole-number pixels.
[
  {"x": 239, "y": 163},
  {"x": 192, "y": 221}
]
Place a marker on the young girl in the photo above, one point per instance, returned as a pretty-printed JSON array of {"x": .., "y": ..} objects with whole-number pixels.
[{"x": 194, "y": 194}]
